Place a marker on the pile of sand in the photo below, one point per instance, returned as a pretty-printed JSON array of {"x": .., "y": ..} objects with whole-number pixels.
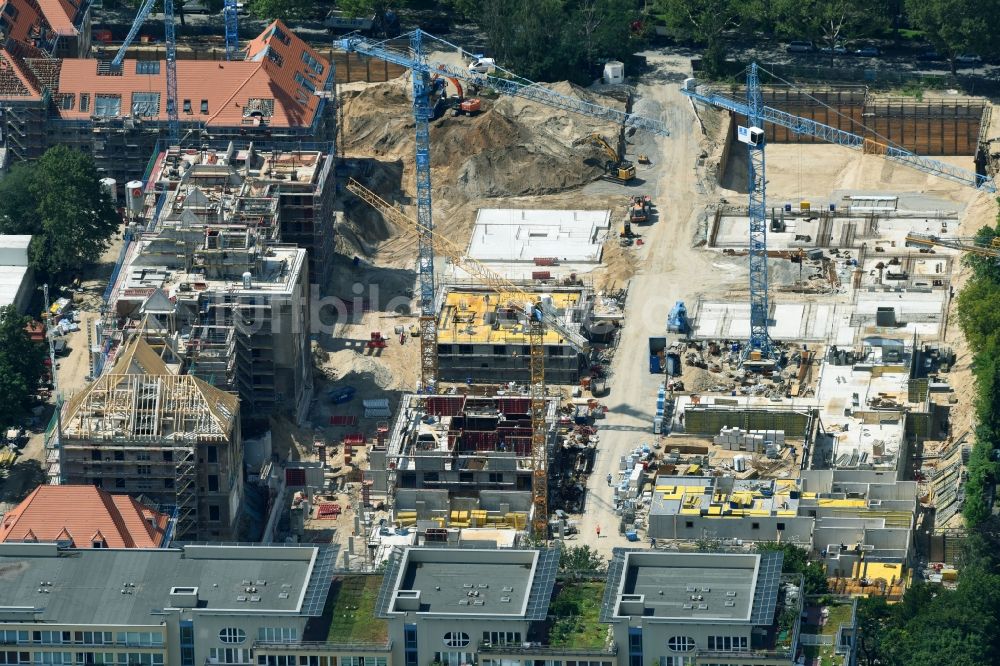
[
  {"x": 514, "y": 147},
  {"x": 355, "y": 368}
]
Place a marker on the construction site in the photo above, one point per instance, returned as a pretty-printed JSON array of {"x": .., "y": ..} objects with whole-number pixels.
[
  {"x": 451, "y": 305},
  {"x": 833, "y": 435}
]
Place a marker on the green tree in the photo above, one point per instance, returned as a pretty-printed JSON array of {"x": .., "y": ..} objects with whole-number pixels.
[
  {"x": 75, "y": 215},
  {"x": 20, "y": 366},
  {"x": 873, "y": 616},
  {"x": 582, "y": 558},
  {"x": 551, "y": 40},
  {"x": 978, "y": 313},
  {"x": 825, "y": 21},
  {"x": 704, "y": 22},
  {"x": 18, "y": 207},
  {"x": 984, "y": 266},
  {"x": 956, "y": 26},
  {"x": 269, "y": 10},
  {"x": 796, "y": 561}
]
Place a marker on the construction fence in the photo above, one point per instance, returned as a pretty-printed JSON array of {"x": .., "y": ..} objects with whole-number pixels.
[{"x": 927, "y": 127}]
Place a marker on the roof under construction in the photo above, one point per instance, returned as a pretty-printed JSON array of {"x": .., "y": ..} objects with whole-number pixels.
[{"x": 140, "y": 399}]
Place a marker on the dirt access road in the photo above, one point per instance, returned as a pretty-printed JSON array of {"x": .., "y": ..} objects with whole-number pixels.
[{"x": 670, "y": 270}]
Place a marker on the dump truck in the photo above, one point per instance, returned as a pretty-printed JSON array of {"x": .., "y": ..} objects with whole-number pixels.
[{"x": 657, "y": 347}]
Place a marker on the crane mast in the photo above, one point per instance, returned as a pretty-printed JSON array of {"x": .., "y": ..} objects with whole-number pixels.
[
  {"x": 537, "y": 322},
  {"x": 173, "y": 122},
  {"x": 421, "y": 72},
  {"x": 229, "y": 13},
  {"x": 760, "y": 340}
]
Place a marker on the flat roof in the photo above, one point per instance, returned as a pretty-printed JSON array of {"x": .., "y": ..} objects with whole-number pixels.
[
  {"x": 513, "y": 235},
  {"x": 86, "y": 586},
  {"x": 695, "y": 587},
  {"x": 723, "y": 497},
  {"x": 472, "y": 582},
  {"x": 15, "y": 241},
  {"x": 11, "y": 280}
]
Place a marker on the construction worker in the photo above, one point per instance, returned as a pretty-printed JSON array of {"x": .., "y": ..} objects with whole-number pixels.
[{"x": 609, "y": 479}]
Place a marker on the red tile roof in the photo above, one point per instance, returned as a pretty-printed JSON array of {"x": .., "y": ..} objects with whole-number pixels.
[
  {"x": 61, "y": 15},
  {"x": 17, "y": 81},
  {"x": 275, "y": 80},
  {"x": 83, "y": 514}
]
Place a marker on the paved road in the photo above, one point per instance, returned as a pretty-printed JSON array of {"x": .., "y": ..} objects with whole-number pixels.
[{"x": 670, "y": 270}]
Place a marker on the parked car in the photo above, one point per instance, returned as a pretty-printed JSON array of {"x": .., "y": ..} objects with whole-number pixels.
[
  {"x": 341, "y": 395},
  {"x": 482, "y": 66},
  {"x": 968, "y": 60},
  {"x": 929, "y": 55},
  {"x": 196, "y": 7},
  {"x": 839, "y": 49},
  {"x": 800, "y": 47},
  {"x": 868, "y": 52}
]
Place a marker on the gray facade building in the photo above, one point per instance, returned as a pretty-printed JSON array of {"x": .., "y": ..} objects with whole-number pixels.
[{"x": 186, "y": 606}]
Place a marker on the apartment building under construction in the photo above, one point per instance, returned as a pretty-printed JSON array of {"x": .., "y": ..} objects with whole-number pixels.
[
  {"x": 285, "y": 195},
  {"x": 459, "y": 460},
  {"x": 482, "y": 338},
  {"x": 209, "y": 285},
  {"x": 143, "y": 429}
]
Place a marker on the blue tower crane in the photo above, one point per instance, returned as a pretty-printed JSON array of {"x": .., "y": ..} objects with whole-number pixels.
[
  {"x": 173, "y": 122},
  {"x": 229, "y": 12},
  {"x": 757, "y": 114},
  {"x": 753, "y": 136},
  {"x": 422, "y": 70}
]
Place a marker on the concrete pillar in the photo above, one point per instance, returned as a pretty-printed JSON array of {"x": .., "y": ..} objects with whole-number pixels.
[{"x": 350, "y": 545}]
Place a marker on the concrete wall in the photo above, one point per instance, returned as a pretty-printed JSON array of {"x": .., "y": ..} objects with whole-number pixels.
[
  {"x": 797, "y": 528},
  {"x": 505, "y": 363}
]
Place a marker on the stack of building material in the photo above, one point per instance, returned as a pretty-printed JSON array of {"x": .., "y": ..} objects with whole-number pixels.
[
  {"x": 737, "y": 439},
  {"x": 661, "y": 402},
  {"x": 376, "y": 408}
]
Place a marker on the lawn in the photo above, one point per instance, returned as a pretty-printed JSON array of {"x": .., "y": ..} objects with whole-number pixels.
[
  {"x": 839, "y": 614},
  {"x": 577, "y": 609},
  {"x": 350, "y": 609},
  {"x": 824, "y": 652}
]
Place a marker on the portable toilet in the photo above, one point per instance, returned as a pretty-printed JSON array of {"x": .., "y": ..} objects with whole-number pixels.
[{"x": 614, "y": 72}]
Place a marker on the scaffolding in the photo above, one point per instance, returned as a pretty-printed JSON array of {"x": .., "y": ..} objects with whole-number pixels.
[{"x": 159, "y": 418}]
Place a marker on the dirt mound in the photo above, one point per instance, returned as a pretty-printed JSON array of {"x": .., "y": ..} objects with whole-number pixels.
[
  {"x": 514, "y": 147},
  {"x": 354, "y": 367}
]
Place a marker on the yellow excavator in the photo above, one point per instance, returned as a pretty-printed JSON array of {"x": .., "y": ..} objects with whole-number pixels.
[{"x": 615, "y": 167}]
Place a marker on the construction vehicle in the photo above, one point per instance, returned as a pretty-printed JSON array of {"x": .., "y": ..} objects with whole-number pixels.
[
  {"x": 615, "y": 167},
  {"x": 677, "y": 320},
  {"x": 458, "y": 103},
  {"x": 537, "y": 319},
  {"x": 640, "y": 209},
  {"x": 964, "y": 244}
]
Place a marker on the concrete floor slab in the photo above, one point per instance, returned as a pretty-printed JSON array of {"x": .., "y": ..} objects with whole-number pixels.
[{"x": 520, "y": 235}]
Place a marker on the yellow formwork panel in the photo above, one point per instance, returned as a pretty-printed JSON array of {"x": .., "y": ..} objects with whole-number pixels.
[
  {"x": 462, "y": 318},
  {"x": 842, "y": 503}
]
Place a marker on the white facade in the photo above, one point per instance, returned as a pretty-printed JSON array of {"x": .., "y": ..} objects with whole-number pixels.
[{"x": 16, "y": 277}]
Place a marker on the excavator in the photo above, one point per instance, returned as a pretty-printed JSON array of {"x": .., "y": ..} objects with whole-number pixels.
[
  {"x": 615, "y": 168},
  {"x": 458, "y": 103}
]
